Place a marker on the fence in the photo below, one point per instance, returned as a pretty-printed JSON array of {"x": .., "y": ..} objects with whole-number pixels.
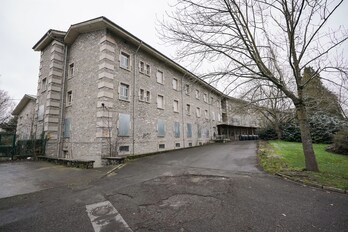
[{"x": 7, "y": 144}]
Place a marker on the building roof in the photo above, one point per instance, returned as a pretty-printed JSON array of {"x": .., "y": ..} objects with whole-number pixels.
[
  {"x": 22, "y": 104},
  {"x": 104, "y": 23}
]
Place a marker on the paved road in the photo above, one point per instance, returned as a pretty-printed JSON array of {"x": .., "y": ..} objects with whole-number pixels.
[{"x": 210, "y": 188}]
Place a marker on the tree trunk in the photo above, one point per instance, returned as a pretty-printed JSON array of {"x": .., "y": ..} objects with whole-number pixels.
[
  {"x": 310, "y": 160},
  {"x": 278, "y": 130}
]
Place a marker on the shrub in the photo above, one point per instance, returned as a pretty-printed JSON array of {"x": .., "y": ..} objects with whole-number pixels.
[
  {"x": 340, "y": 142},
  {"x": 267, "y": 133}
]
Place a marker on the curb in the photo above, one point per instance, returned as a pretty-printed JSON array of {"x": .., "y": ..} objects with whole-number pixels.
[
  {"x": 117, "y": 167},
  {"x": 315, "y": 185}
]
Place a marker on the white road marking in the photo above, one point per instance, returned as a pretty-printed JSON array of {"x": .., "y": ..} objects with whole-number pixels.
[{"x": 104, "y": 217}]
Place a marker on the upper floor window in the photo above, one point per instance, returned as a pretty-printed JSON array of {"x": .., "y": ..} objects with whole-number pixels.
[
  {"x": 187, "y": 89},
  {"x": 43, "y": 84},
  {"x": 205, "y": 97},
  {"x": 142, "y": 67},
  {"x": 147, "y": 69},
  {"x": 176, "y": 106},
  {"x": 198, "y": 112},
  {"x": 124, "y": 91},
  {"x": 188, "y": 109},
  {"x": 144, "y": 95},
  {"x": 206, "y": 114},
  {"x": 124, "y": 60},
  {"x": 160, "y": 102},
  {"x": 69, "y": 98},
  {"x": 213, "y": 115},
  {"x": 197, "y": 93},
  {"x": 175, "y": 84},
  {"x": 71, "y": 69},
  {"x": 159, "y": 77}
]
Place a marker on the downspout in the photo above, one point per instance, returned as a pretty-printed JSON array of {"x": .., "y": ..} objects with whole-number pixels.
[
  {"x": 182, "y": 110},
  {"x": 134, "y": 93},
  {"x": 61, "y": 122}
]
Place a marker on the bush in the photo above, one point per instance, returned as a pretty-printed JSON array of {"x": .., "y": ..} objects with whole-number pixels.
[
  {"x": 267, "y": 133},
  {"x": 322, "y": 126},
  {"x": 340, "y": 142}
]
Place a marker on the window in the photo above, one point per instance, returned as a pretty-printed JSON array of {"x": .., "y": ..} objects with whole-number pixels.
[
  {"x": 199, "y": 131},
  {"x": 141, "y": 67},
  {"x": 43, "y": 84},
  {"x": 147, "y": 96},
  {"x": 144, "y": 95},
  {"x": 189, "y": 130},
  {"x": 190, "y": 144},
  {"x": 176, "y": 129},
  {"x": 207, "y": 133},
  {"x": 141, "y": 95},
  {"x": 177, "y": 144},
  {"x": 147, "y": 69},
  {"x": 66, "y": 128},
  {"x": 176, "y": 106},
  {"x": 160, "y": 102},
  {"x": 124, "y": 91},
  {"x": 218, "y": 104},
  {"x": 213, "y": 115},
  {"x": 71, "y": 69},
  {"x": 211, "y": 100},
  {"x": 69, "y": 98},
  {"x": 161, "y": 128},
  {"x": 197, "y": 93},
  {"x": 40, "y": 113},
  {"x": 175, "y": 84},
  {"x": 124, "y": 60},
  {"x": 206, "y": 114},
  {"x": 219, "y": 117},
  {"x": 187, "y": 89},
  {"x": 198, "y": 112},
  {"x": 161, "y": 146},
  {"x": 188, "y": 109},
  {"x": 123, "y": 148},
  {"x": 123, "y": 124},
  {"x": 205, "y": 97},
  {"x": 159, "y": 77}
]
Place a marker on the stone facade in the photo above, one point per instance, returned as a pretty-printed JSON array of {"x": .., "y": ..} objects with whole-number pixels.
[
  {"x": 109, "y": 94},
  {"x": 25, "y": 111}
]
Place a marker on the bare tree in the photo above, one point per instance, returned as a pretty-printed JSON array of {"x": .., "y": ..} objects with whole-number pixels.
[
  {"x": 267, "y": 40},
  {"x": 6, "y": 105}
]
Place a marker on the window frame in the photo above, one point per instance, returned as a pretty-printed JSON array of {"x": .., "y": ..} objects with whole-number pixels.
[
  {"x": 176, "y": 106},
  {"x": 197, "y": 94},
  {"x": 160, "y": 97},
  {"x": 69, "y": 98},
  {"x": 176, "y": 85},
  {"x": 121, "y": 95},
  {"x": 162, "y": 77},
  {"x": 127, "y": 55}
]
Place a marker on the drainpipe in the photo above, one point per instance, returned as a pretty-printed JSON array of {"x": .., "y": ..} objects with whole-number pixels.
[
  {"x": 134, "y": 93},
  {"x": 182, "y": 110},
  {"x": 61, "y": 122}
]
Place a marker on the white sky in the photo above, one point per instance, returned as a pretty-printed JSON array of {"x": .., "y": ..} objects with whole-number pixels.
[{"x": 24, "y": 22}]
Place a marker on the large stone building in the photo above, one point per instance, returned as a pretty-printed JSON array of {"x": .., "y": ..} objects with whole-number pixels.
[{"x": 104, "y": 92}]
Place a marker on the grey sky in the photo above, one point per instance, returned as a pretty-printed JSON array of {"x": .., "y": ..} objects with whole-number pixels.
[{"x": 24, "y": 22}]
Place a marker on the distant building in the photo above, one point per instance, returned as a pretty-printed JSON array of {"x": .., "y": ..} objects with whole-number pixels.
[
  {"x": 25, "y": 112},
  {"x": 104, "y": 92}
]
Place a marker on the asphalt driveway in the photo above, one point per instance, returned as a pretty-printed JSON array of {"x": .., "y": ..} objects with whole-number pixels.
[{"x": 210, "y": 188}]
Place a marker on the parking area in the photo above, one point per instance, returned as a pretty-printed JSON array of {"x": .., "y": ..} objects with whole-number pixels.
[{"x": 23, "y": 177}]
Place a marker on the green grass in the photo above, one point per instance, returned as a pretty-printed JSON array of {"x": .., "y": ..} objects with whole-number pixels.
[{"x": 288, "y": 158}]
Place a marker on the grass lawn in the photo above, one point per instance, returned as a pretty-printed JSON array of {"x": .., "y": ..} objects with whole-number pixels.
[{"x": 287, "y": 158}]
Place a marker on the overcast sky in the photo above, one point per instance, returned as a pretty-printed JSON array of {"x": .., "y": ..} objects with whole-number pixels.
[{"x": 24, "y": 22}]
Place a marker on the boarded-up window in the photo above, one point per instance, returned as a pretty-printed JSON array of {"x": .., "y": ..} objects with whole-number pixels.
[
  {"x": 189, "y": 130},
  {"x": 123, "y": 124},
  {"x": 199, "y": 131},
  {"x": 176, "y": 129},
  {"x": 40, "y": 113},
  {"x": 67, "y": 128},
  {"x": 161, "y": 127}
]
